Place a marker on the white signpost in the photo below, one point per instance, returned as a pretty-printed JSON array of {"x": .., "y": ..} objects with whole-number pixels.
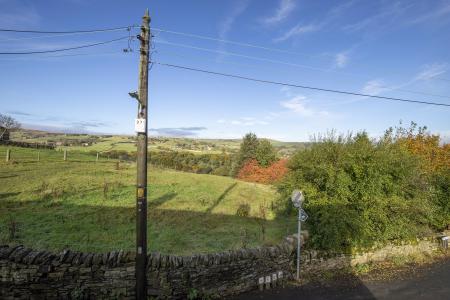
[{"x": 297, "y": 199}]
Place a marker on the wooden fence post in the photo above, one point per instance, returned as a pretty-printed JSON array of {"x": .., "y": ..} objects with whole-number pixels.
[
  {"x": 96, "y": 159},
  {"x": 8, "y": 155},
  {"x": 65, "y": 154}
]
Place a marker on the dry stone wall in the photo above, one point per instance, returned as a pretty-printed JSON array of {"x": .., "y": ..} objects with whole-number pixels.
[
  {"x": 25, "y": 273},
  {"x": 30, "y": 274}
]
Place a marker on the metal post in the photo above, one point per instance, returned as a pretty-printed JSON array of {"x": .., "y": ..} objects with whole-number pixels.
[
  {"x": 141, "y": 184},
  {"x": 298, "y": 242},
  {"x": 8, "y": 155}
]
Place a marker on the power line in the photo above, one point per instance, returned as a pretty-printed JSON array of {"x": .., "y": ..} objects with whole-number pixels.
[
  {"x": 65, "y": 49},
  {"x": 261, "y": 47},
  {"x": 299, "y": 86},
  {"x": 231, "y": 42},
  {"x": 43, "y": 57},
  {"x": 244, "y": 56},
  {"x": 49, "y": 36},
  {"x": 64, "y": 32},
  {"x": 295, "y": 65}
]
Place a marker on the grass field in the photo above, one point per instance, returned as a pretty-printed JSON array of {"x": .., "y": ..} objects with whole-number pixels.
[{"x": 89, "y": 206}]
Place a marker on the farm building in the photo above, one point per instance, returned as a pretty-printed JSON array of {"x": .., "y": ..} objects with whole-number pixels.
[{"x": 4, "y": 134}]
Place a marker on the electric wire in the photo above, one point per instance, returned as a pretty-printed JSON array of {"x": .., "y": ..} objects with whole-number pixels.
[
  {"x": 72, "y": 31},
  {"x": 232, "y": 42},
  {"x": 49, "y": 36},
  {"x": 250, "y": 45},
  {"x": 299, "y": 86},
  {"x": 65, "y": 49},
  {"x": 294, "y": 65},
  {"x": 241, "y": 55}
]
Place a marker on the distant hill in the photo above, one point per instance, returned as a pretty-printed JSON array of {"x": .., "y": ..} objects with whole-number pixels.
[{"x": 101, "y": 143}]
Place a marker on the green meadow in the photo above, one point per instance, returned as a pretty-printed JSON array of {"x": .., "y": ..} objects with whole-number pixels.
[{"x": 86, "y": 205}]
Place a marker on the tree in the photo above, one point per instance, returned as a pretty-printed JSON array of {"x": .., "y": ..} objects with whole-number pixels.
[
  {"x": 265, "y": 153},
  {"x": 247, "y": 151},
  {"x": 8, "y": 124}
]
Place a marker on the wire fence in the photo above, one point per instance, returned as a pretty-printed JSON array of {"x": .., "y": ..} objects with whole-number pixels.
[{"x": 17, "y": 154}]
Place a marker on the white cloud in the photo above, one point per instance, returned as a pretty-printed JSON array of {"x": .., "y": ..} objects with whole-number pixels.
[
  {"x": 329, "y": 18},
  {"x": 284, "y": 10},
  {"x": 221, "y": 121},
  {"x": 440, "y": 12},
  {"x": 385, "y": 16},
  {"x": 341, "y": 59},
  {"x": 297, "y": 105},
  {"x": 297, "y": 30},
  {"x": 226, "y": 25},
  {"x": 430, "y": 71},
  {"x": 246, "y": 121},
  {"x": 374, "y": 87}
]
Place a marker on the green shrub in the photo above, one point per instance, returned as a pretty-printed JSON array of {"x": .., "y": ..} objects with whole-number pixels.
[{"x": 360, "y": 191}]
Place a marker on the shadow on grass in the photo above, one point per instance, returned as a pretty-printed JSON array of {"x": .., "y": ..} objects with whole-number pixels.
[
  {"x": 5, "y": 196},
  {"x": 8, "y": 176},
  {"x": 161, "y": 200},
  {"x": 221, "y": 197}
]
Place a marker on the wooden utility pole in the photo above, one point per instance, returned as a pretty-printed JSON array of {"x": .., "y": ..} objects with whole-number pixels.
[{"x": 141, "y": 184}]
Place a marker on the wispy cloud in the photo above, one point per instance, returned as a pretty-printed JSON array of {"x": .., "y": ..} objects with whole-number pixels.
[
  {"x": 18, "y": 113},
  {"x": 439, "y": 13},
  {"x": 177, "y": 131},
  {"x": 374, "y": 87},
  {"x": 341, "y": 59},
  {"x": 430, "y": 71},
  {"x": 298, "y": 106},
  {"x": 386, "y": 15},
  {"x": 296, "y": 31},
  {"x": 244, "y": 121},
  {"x": 15, "y": 14},
  {"x": 329, "y": 18},
  {"x": 226, "y": 25},
  {"x": 87, "y": 124},
  {"x": 286, "y": 7}
]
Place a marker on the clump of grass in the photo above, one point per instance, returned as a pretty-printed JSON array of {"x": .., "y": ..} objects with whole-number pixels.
[{"x": 243, "y": 210}]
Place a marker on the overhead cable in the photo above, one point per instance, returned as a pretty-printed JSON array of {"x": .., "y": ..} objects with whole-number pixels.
[{"x": 300, "y": 86}]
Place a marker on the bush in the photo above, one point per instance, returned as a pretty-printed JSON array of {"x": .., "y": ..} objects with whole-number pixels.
[
  {"x": 253, "y": 172},
  {"x": 360, "y": 191}
]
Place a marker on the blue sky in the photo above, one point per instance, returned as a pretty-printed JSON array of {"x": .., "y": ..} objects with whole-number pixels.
[{"x": 387, "y": 48}]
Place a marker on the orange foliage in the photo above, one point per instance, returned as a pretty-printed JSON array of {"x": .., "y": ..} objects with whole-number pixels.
[
  {"x": 427, "y": 147},
  {"x": 251, "y": 171}
]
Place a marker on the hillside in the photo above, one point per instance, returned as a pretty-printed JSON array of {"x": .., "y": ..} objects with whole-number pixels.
[{"x": 89, "y": 206}]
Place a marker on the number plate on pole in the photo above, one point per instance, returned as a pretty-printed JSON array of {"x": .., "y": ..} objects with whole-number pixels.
[{"x": 139, "y": 125}]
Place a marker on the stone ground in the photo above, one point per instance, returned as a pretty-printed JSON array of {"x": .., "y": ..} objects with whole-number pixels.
[{"x": 429, "y": 281}]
